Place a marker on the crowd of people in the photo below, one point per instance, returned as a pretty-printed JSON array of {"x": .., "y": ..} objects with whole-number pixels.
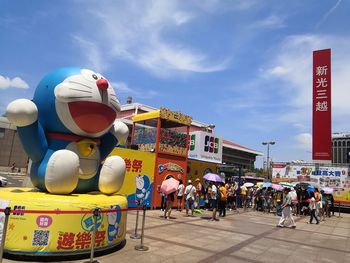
[{"x": 285, "y": 202}]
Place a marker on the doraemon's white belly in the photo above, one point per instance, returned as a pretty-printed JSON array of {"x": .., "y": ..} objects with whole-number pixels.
[{"x": 88, "y": 166}]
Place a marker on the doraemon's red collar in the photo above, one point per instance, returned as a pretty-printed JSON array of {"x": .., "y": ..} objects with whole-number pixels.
[{"x": 69, "y": 137}]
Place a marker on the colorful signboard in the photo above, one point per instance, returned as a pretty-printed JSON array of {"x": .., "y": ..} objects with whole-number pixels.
[
  {"x": 325, "y": 176},
  {"x": 205, "y": 146},
  {"x": 43, "y": 233},
  {"x": 167, "y": 166},
  {"x": 139, "y": 176},
  {"x": 174, "y": 116},
  {"x": 164, "y": 114},
  {"x": 173, "y": 141},
  {"x": 321, "y": 110}
]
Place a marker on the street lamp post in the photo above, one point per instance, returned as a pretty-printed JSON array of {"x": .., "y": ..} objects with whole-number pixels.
[{"x": 268, "y": 157}]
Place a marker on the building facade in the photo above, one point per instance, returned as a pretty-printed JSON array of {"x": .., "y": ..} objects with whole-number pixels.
[
  {"x": 11, "y": 149},
  {"x": 341, "y": 148}
]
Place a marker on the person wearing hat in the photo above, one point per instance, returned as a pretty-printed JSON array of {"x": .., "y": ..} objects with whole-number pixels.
[
  {"x": 286, "y": 209},
  {"x": 190, "y": 192}
]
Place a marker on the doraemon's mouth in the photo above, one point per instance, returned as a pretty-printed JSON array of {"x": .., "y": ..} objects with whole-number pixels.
[{"x": 91, "y": 117}]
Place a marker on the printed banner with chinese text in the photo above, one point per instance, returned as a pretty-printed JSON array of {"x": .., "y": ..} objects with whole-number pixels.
[
  {"x": 139, "y": 176},
  {"x": 50, "y": 232},
  {"x": 321, "y": 110}
]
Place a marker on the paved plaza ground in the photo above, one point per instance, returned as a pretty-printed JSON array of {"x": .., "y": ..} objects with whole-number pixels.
[{"x": 239, "y": 237}]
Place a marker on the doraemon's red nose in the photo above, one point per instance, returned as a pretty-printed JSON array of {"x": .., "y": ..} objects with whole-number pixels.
[{"x": 102, "y": 84}]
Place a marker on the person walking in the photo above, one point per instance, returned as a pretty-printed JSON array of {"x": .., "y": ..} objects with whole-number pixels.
[
  {"x": 169, "y": 204},
  {"x": 190, "y": 192},
  {"x": 312, "y": 207},
  {"x": 286, "y": 209},
  {"x": 322, "y": 206},
  {"x": 179, "y": 197}
]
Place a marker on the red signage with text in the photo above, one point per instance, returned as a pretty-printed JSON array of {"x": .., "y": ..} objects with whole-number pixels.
[{"x": 321, "y": 109}]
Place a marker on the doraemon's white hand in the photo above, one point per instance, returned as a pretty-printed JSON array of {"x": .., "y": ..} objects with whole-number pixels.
[
  {"x": 22, "y": 112},
  {"x": 112, "y": 175},
  {"x": 120, "y": 131}
]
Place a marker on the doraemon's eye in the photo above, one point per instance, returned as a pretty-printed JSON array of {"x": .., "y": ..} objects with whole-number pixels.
[{"x": 95, "y": 76}]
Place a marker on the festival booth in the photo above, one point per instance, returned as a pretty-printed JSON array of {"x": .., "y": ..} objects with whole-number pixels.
[
  {"x": 335, "y": 177},
  {"x": 164, "y": 133},
  {"x": 68, "y": 131}
]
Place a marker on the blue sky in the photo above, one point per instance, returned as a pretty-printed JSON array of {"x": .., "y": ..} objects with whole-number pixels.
[{"x": 245, "y": 66}]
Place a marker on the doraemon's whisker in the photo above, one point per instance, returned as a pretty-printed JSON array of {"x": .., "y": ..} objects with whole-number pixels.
[
  {"x": 114, "y": 107},
  {"x": 78, "y": 83},
  {"x": 81, "y": 90},
  {"x": 114, "y": 100},
  {"x": 79, "y": 97},
  {"x": 112, "y": 95}
]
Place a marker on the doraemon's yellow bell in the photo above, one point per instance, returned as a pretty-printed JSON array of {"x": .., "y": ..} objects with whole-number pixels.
[{"x": 86, "y": 147}]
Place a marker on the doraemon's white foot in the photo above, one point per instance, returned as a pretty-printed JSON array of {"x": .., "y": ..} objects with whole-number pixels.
[
  {"x": 112, "y": 175},
  {"x": 62, "y": 172}
]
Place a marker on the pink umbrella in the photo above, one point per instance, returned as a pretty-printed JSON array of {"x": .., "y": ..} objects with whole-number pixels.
[
  {"x": 169, "y": 185},
  {"x": 277, "y": 187}
]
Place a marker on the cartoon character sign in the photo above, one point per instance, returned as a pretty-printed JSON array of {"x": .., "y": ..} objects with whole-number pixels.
[
  {"x": 68, "y": 129},
  {"x": 113, "y": 223},
  {"x": 143, "y": 189}
]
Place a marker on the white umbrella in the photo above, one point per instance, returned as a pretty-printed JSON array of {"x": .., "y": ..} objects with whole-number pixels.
[
  {"x": 248, "y": 184},
  {"x": 328, "y": 190}
]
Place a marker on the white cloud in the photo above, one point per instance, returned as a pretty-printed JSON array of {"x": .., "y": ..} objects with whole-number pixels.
[
  {"x": 164, "y": 58},
  {"x": 293, "y": 66},
  {"x": 123, "y": 88},
  {"x": 329, "y": 12},
  {"x": 279, "y": 70},
  {"x": 214, "y": 6},
  {"x": 304, "y": 141},
  {"x": 16, "y": 82},
  {"x": 92, "y": 54},
  {"x": 271, "y": 21},
  {"x": 137, "y": 33}
]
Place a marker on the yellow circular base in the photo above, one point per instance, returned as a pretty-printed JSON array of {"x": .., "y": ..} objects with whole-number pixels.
[{"x": 46, "y": 229}]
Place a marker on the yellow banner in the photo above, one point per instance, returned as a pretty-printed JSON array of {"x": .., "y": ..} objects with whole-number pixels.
[
  {"x": 47, "y": 233},
  {"x": 139, "y": 177}
]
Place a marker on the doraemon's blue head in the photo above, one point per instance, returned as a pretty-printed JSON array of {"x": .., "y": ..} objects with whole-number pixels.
[{"x": 74, "y": 100}]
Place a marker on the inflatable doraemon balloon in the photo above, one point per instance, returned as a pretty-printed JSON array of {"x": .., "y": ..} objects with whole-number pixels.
[{"x": 68, "y": 129}]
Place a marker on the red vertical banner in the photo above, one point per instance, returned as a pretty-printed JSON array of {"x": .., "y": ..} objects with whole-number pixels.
[{"x": 321, "y": 109}]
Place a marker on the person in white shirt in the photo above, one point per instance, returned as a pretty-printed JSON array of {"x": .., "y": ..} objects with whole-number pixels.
[
  {"x": 180, "y": 192},
  {"x": 214, "y": 201},
  {"x": 286, "y": 209},
  {"x": 189, "y": 197}
]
